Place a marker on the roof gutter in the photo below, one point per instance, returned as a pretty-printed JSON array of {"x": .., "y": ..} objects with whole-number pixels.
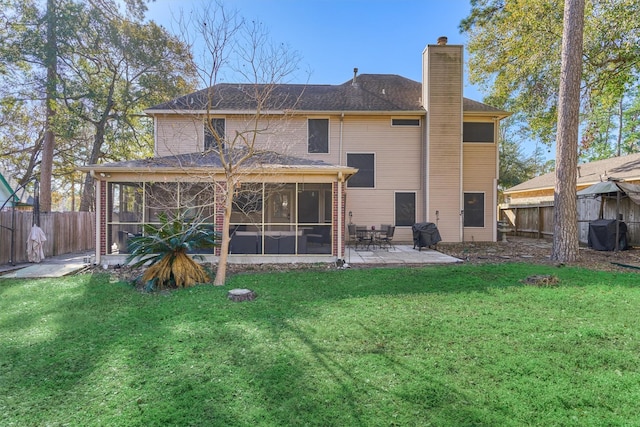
[
  {"x": 105, "y": 173},
  {"x": 289, "y": 112}
]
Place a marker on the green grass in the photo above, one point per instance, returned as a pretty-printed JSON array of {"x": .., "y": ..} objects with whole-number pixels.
[{"x": 449, "y": 345}]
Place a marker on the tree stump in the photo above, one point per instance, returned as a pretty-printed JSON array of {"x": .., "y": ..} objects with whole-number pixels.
[
  {"x": 543, "y": 280},
  {"x": 239, "y": 295}
]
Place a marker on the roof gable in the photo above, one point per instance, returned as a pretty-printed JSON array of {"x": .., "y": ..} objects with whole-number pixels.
[{"x": 6, "y": 191}]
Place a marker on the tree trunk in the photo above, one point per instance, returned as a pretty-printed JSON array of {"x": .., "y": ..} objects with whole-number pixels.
[
  {"x": 221, "y": 271},
  {"x": 46, "y": 166},
  {"x": 87, "y": 199},
  {"x": 620, "y": 126},
  {"x": 565, "y": 229}
]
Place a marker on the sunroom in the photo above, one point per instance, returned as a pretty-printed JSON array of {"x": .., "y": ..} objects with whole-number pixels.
[{"x": 285, "y": 206}]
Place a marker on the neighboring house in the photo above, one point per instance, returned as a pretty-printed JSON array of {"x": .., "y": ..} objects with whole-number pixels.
[
  {"x": 377, "y": 149},
  {"x": 529, "y": 205}
]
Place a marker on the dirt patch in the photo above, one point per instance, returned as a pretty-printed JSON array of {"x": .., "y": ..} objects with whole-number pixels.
[
  {"x": 534, "y": 251},
  {"x": 132, "y": 275},
  {"x": 538, "y": 251}
]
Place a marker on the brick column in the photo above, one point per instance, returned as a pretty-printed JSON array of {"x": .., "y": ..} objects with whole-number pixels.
[
  {"x": 219, "y": 210},
  {"x": 102, "y": 220},
  {"x": 335, "y": 213}
]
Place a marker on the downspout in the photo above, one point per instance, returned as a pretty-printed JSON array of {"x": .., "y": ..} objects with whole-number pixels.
[
  {"x": 425, "y": 167},
  {"x": 340, "y": 148},
  {"x": 496, "y": 217},
  {"x": 340, "y": 226},
  {"x": 461, "y": 179},
  {"x": 340, "y": 185},
  {"x": 495, "y": 210},
  {"x": 98, "y": 214}
]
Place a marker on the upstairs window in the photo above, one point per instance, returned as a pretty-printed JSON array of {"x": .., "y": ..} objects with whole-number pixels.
[
  {"x": 477, "y": 132},
  {"x": 214, "y": 132},
  {"x": 365, "y": 163},
  {"x": 318, "y": 131},
  {"x": 405, "y": 122}
]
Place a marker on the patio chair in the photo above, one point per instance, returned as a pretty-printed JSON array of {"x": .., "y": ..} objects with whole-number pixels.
[
  {"x": 354, "y": 237},
  {"x": 363, "y": 236},
  {"x": 386, "y": 238}
]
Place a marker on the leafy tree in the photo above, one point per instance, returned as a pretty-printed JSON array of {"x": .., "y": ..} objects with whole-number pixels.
[
  {"x": 515, "y": 166},
  {"x": 515, "y": 51},
  {"x": 104, "y": 68},
  {"x": 631, "y": 123},
  {"x": 118, "y": 68}
]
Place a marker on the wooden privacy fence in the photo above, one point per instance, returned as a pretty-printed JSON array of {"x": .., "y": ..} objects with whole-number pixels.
[
  {"x": 529, "y": 221},
  {"x": 537, "y": 220},
  {"x": 67, "y": 232}
]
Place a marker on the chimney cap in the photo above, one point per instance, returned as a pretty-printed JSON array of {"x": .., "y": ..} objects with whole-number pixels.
[{"x": 442, "y": 40}]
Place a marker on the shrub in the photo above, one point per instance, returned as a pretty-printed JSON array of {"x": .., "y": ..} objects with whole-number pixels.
[{"x": 165, "y": 249}]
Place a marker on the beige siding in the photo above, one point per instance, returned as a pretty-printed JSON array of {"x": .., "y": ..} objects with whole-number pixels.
[
  {"x": 479, "y": 176},
  {"x": 276, "y": 133},
  {"x": 444, "y": 109},
  {"x": 177, "y": 134},
  {"x": 397, "y": 167}
]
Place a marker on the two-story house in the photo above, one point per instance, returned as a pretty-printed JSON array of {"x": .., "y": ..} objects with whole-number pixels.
[{"x": 377, "y": 149}]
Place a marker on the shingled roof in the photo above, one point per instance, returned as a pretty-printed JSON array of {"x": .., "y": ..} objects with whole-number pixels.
[
  {"x": 211, "y": 160},
  {"x": 370, "y": 92},
  {"x": 626, "y": 168}
]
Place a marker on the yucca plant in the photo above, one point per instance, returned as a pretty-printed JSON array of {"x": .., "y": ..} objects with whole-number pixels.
[{"x": 164, "y": 248}]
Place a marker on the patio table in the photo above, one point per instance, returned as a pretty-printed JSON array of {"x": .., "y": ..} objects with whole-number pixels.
[{"x": 370, "y": 236}]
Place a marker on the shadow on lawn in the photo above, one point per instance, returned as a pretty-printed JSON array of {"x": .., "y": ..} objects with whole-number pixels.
[
  {"x": 411, "y": 397},
  {"x": 99, "y": 357}
]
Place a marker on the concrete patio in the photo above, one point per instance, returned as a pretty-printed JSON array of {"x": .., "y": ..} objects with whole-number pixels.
[{"x": 399, "y": 254}]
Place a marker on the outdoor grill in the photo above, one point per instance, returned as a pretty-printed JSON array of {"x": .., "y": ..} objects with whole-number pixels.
[{"x": 425, "y": 234}]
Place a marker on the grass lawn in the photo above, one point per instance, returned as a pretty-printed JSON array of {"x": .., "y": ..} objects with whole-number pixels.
[{"x": 447, "y": 345}]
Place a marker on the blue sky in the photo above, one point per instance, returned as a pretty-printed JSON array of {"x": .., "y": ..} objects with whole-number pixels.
[{"x": 334, "y": 36}]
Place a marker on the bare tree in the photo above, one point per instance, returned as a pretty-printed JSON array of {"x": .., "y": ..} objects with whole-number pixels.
[
  {"x": 230, "y": 45},
  {"x": 565, "y": 233}
]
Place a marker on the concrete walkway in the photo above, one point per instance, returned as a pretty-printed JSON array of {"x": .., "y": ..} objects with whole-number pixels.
[
  {"x": 57, "y": 266},
  {"x": 64, "y": 265}
]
